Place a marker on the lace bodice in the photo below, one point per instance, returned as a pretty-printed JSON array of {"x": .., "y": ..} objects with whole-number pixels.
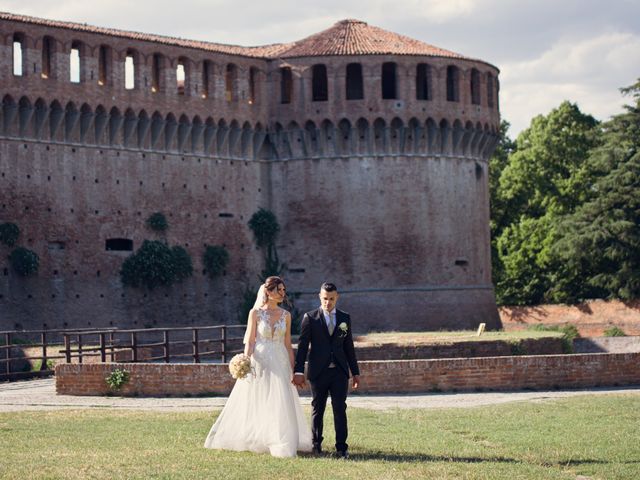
[{"x": 268, "y": 332}]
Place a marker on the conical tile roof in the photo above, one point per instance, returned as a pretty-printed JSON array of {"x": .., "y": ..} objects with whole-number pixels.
[{"x": 354, "y": 37}]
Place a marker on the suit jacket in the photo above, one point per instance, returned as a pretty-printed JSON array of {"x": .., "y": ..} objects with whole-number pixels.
[{"x": 324, "y": 347}]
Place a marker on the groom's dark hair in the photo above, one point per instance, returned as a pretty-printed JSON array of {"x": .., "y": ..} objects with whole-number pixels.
[{"x": 329, "y": 287}]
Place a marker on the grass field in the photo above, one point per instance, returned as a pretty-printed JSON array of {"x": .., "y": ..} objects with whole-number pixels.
[
  {"x": 596, "y": 437},
  {"x": 454, "y": 336}
]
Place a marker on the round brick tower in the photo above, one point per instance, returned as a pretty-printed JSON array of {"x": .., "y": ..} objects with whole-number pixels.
[{"x": 371, "y": 148}]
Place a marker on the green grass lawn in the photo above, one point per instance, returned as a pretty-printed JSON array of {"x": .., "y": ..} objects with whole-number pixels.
[
  {"x": 594, "y": 436},
  {"x": 453, "y": 336}
]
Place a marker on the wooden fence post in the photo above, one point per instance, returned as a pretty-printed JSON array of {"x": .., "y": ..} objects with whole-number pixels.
[
  {"x": 43, "y": 366},
  {"x": 134, "y": 347},
  {"x": 223, "y": 343},
  {"x": 79, "y": 348},
  {"x": 7, "y": 339},
  {"x": 67, "y": 347},
  {"x": 103, "y": 349},
  {"x": 196, "y": 349},
  {"x": 167, "y": 353}
]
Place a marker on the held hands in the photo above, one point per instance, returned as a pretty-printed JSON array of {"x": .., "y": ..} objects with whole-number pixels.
[
  {"x": 356, "y": 381},
  {"x": 298, "y": 381}
]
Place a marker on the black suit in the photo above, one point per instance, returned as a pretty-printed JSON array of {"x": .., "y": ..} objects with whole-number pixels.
[{"x": 325, "y": 350}]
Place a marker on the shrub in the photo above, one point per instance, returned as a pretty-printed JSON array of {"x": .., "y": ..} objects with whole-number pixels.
[
  {"x": 117, "y": 379},
  {"x": 157, "y": 222},
  {"x": 614, "y": 332},
  {"x": 9, "y": 233},
  {"x": 265, "y": 227},
  {"x": 155, "y": 264},
  {"x": 24, "y": 261},
  {"x": 215, "y": 260},
  {"x": 182, "y": 262}
]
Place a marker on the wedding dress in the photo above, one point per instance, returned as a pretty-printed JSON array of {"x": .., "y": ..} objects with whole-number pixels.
[{"x": 263, "y": 412}]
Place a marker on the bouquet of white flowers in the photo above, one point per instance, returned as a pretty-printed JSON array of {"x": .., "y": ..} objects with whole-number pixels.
[{"x": 240, "y": 366}]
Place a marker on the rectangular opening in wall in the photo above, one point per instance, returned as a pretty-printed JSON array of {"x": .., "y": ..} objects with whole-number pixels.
[
  {"x": 74, "y": 65},
  {"x": 119, "y": 245},
  {"x": 56, "y": 245},
  {"x": 206, "y": 74},
  {"x": 102, "y": 65},
  {"x": 47, "y": 52},
  {"x": 225, "y": 215},
  {"x": 17, "y": 57},
  {"x": 286, "y": 85},
  {"x": 180, "y": 78},
  {"x": 354, "y": 84},
  {"x": 129, "y": 73},
  {"x": 462, "y": 262},
  {"x": 389, "y": 81},
  {"x": 297, "y": 270},
  {"x": 252, "y": 85}
]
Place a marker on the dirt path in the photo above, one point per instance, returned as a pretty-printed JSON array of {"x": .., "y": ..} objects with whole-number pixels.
[{"x": 41, "y": 395}]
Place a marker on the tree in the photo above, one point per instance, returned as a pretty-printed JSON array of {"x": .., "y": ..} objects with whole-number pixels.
[
  {"x": 602, "y": 237},
  {"x": 545, "y": 177}
]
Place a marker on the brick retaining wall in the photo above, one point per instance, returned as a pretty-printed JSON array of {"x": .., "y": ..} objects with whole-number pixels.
[{"x": 457, "y": 374}]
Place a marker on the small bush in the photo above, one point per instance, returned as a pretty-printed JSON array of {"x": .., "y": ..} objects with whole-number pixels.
[
  {"x": 157, "y": 222},
  {"x": 37, "y": 365},
  {"x": 265, "y": 227},
  {"x": 614, "y": 332},
  {"x": 182, "y": 262},
  {"x": 154, "y": 264},
  {"x": 9, "y": 233},
  {"x": 215, "y": 260},
  {"x": 24, "y": 261},
  {"x": 517, "y": 347},
  {"x": 117, "y": 379}
]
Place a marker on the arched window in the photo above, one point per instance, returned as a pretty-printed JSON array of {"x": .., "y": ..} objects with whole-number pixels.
[
  {"x": 286, "y": 85},
  {"x": 75, "y": 62},
  {"x": 489, "y": 90},
  {"x": 18, "y": 54},
  {"x": 453, "y": 80},
  {"x": 47, "y": 57},
  {"x": 130, "y": 70},
  {"x": 355, "y": 89},
  {"x": 423, "y": 82},
  {"x": 389, "y": 81},
  {"x": 104, "y": 65},
  {"x": 230, "y": 82},
  {"x": 475, "y": 87},
  {"x": 319, "y": 84},
  {"x": 253, "y": 75},
  {"x": 157, "y": 65}
]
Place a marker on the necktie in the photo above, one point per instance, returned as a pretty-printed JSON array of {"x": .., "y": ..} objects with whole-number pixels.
[{"x": 331, "y": 325}]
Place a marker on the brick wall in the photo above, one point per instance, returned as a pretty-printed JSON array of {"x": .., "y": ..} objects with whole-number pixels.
[{"x": 458, "y": 374}]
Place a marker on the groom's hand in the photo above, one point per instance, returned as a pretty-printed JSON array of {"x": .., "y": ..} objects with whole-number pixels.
[
  {"x": 298, "y": 381},
  {"x": 356, "y": 381}
]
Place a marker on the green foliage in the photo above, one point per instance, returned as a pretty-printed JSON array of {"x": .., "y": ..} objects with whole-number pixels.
[
  {"x": 614, "y": 332},
  {"x": 24, "y": 261},
  {"x": 117, "y": 379},
  {"x": 157, "y": 222},
  {"x": 601, "y": 239},
  {"x": 272, "y": 265},
  {"x": 215, "y": 259},
  {"x": 248, "y": 299},
  {"x": 155, "y": 264},
  {"x": 9, "y": 233},
  {"x": 265, "y": 227},
  {"x": 182, "y": 262},
  {"x": 36, "y": 365},
  {"x": 545, "y": 177},
  {"x": 517, "y": 347}
]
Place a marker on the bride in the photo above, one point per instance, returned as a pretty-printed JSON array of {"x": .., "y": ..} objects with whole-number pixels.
[{"x": 263, "y": 412}]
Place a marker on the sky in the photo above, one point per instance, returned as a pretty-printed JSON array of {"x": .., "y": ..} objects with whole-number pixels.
[{"x": 547, "y": 51}]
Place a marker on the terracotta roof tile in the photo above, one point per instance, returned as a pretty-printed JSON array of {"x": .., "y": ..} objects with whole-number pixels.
[
  {"x": 347, "y": 37},
  {"x": 353, "y": 37}
]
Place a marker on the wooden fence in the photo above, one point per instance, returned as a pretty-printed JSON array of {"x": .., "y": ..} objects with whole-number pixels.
[{"x": 178, "y": 344}]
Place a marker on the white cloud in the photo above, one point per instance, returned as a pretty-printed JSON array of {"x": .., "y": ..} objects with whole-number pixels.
[{"x": 588, "y": 72}]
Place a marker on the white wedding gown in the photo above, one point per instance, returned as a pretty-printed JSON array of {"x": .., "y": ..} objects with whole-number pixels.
[{"x": 263, "y": 411}]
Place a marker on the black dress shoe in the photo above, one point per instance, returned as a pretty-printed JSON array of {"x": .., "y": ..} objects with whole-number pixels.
[
  {"x": 343, "y": 454},
  {"x": 316, "y": 450}
]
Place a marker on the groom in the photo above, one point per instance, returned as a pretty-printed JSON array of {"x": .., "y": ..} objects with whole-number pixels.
[{"x": 332, "y": 355}]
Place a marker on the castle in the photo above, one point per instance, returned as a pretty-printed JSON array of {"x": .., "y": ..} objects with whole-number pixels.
[{"x": 370, "y": 147}]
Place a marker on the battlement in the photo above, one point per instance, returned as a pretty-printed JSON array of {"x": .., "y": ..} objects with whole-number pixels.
[{"x": 71, "y": 83}]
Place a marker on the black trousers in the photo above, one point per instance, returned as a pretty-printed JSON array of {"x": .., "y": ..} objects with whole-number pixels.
[{"x": 334, "y": 382}]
